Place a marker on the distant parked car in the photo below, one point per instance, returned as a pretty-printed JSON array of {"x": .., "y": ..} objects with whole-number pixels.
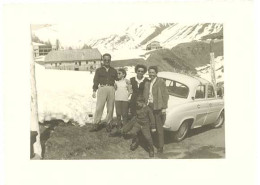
[{"x": 192, "y": 104}]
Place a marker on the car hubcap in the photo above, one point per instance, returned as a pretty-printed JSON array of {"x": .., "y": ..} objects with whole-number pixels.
[
  {"x": 183, "y": 130},
  {"x": 220, "y": 120}
]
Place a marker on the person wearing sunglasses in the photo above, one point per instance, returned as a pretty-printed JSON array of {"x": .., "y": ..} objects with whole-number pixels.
[{"x": 104, "y": 81}]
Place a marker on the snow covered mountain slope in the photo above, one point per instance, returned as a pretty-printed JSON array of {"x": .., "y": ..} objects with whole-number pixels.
[
  {"x": 169, "y": 35},
  {"x": 133, "y": 37}
]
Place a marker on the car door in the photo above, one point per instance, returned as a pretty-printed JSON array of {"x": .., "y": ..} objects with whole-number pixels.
[
  {"x": 214, "y": 105},
  {"x": 200, "y": 106}
]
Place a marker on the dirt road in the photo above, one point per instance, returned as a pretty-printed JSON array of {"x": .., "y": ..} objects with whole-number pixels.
[
  {"x": 63, "y": 141},
  {"x": 203, "y": 142}
]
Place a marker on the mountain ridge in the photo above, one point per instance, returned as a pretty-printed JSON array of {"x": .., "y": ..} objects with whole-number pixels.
[{"x": 136, "y": 36}]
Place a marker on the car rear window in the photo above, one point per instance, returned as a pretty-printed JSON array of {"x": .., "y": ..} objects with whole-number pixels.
[{"x": 177, "y": 89}]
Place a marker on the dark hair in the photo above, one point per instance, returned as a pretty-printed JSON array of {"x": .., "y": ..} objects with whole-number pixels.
[
  {"x": 140, "y": 66},
  {"x": 154, "y": 68},
  {"x": 122, "y": 70},
  {"x": 106, "y": 54}
]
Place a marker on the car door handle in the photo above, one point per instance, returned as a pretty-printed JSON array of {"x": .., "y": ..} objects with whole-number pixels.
[{"x": 198, "y": 106}]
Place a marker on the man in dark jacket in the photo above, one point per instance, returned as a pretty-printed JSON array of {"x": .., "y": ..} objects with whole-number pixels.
[
  {"x": 143, "y": 122},
  {"x": 104, "y": 81}
]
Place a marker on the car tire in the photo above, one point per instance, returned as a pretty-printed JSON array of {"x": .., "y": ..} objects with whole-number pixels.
[
  {"x": 220, "y": 121},
  {"x": 182, "y": 131}
]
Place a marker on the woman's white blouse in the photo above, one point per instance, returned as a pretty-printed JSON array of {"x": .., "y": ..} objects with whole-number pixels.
[{"x": 121, "y": 93}]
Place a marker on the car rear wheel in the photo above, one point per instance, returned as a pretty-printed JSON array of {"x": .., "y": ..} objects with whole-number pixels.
[
  {"x": 182, "y": 132},
  {"x": 220, "y": 121}
]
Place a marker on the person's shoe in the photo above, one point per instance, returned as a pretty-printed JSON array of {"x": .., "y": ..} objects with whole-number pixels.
[
  {"x": 119, "y": 126},
  {"x": 115, "y": 133},
  {"x": 95, "y": 128},
  {"x": 109, "y": 127},
  {"x": 151, "y": 151},
  {"x": 160, "y": 150},
  {"x": 134, "y": 146}
]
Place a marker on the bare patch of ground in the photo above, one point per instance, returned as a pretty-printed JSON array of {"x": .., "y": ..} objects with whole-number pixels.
[{"x": 66, "y": 141}]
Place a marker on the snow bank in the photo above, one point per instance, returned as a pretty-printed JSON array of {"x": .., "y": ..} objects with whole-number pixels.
[
  {"x": 67, "y": 95},
  {"x": 64, "y": 95},
  {"x": 204, "y": 71}
]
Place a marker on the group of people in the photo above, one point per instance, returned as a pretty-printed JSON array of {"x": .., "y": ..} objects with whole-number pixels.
[{"x": 145, "y": 98}]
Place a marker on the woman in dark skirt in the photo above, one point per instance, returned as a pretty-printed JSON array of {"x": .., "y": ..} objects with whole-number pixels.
[{"x": 137, "y": 83}]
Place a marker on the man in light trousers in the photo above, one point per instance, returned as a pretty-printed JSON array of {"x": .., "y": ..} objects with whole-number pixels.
[{"x": 104, "y": 81}]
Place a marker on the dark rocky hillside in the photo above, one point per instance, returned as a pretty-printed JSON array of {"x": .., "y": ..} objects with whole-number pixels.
[
  {"x": 197, "y": 53},
  {"x": 128, "y": 62},
  {"x": 168, "y": 61},
  {"x": 165, "y": 59},
  {"x": 185, "y": 56}
]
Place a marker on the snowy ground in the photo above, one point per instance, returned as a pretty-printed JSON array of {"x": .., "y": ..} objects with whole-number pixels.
[{"x": 66, "y": 95}]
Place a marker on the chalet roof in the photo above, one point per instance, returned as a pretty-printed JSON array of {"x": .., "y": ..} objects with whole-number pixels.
[
  {"x": 37, "y": 44},
  {"x": 73, "y": 55}
]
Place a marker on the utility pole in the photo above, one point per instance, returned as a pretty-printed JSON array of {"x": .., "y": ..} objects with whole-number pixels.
[{"x": 212, "y": 67}]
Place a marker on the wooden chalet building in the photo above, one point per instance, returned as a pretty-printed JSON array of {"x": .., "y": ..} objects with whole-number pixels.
[
  {"x": 153, "y": 45},
  {"x": 40, "y": 49},
  {"x": 79, "y": 60}
]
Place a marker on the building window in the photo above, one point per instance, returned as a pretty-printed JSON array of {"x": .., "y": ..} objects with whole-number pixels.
[
  {"x": 80, "y": 63},
  {"x": 86, "y": 62}
]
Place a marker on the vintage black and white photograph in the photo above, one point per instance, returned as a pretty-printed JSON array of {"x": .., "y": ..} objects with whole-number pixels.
[
  {"x": 127, "y": 91},
  {"x": 145, "y": 92}
]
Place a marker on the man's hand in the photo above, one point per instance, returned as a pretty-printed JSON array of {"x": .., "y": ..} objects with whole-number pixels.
[
  {"x": 94, "y": 95},
  {"x": 163, "y": 111},
  {"x": 129, "y": 96},
  {"x": 153, "y": 130}
]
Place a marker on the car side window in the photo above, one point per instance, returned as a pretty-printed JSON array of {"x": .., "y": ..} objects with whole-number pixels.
[
  {"x": 200, "y": 92},
  {"x": 167, "y": 82},
  {"x": 177, "y": 89},
  {"x": 211, "y": 93}
]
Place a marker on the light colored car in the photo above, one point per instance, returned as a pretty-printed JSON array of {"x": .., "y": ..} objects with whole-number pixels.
[{"x": 192, "y": 103}]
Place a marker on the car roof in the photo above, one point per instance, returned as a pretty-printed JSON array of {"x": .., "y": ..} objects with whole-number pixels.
[{"x": 185, "y": 79}]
